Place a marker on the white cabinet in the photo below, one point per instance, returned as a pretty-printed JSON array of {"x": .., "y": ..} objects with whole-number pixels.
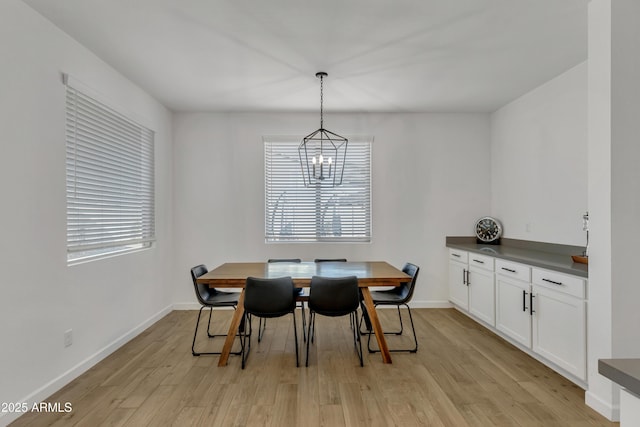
[
  {"x": 559, "y": 320},
  {"x": 481, "y": 288},
  {"x": 541, "y": 310},
  {"x": 471, "y": 284},
  {"x": 458, "y": 291},
  {"x": 513, "y": 301}
]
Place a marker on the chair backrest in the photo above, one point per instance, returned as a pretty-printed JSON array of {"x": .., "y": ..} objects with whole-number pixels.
[
  {"x": 269, "y": 297},
  {"x": 284, "y": 260},
  {"x": 330, "y": 260},
  {"x": 203, "y": 292},
  {"x": 334, "y": 296},
  {"x": 405, "y": 290}
]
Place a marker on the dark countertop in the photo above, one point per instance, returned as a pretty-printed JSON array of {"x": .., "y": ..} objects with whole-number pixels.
[
  {"x": 551, "y": 256},
  {"x": 624, "y": 372}
]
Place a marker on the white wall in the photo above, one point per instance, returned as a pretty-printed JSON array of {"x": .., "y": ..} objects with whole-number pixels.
[
  {"x": 40, "y": 296},
  {"x": 430, "y": 177},
  {"x": 539, "y": 161},
  {"x": 614, "y": 155},
  {"x": 601, "y": 395}
]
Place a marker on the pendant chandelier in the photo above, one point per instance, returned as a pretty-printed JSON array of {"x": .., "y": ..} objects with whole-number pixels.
[{"x": 322, "y": 153}]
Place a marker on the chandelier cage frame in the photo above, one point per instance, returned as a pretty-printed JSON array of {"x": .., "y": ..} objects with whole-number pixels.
[{"x": 322, "y": 153}]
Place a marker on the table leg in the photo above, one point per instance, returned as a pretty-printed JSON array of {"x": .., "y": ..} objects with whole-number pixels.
[
  {"x": 233, "y": 330},
  {"x": 375, "y": 323}
]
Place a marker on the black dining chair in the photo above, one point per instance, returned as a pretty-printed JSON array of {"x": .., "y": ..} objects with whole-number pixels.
[
  {"x": 267, "y": 298},
  {"x": 334, "y": 260},
  {"x": 301, "y": 298},
  {"x": 210, "y": 298},
  {"x": 333, "y": 297},
  {"x": 398, "y": 296}
]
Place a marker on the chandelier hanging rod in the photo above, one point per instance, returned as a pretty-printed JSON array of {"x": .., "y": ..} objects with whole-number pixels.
[{"x": 321, "y": 75}]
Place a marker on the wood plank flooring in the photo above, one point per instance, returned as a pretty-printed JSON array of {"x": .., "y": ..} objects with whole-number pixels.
[{"x": 462, "y": 375}]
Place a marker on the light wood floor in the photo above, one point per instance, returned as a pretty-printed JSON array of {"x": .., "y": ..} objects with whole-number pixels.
[{"x": 462, "y": 375}]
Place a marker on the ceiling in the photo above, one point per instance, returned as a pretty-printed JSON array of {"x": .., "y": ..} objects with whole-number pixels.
[{"x": 381, "y": 55}]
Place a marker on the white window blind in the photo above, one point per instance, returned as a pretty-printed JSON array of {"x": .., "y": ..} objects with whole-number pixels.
[
  {"x": 295, "y": 213},
  {"x": 110, "y": 180}
]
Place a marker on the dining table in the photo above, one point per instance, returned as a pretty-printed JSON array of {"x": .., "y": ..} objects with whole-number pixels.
[{"x": 369, "y": 274}]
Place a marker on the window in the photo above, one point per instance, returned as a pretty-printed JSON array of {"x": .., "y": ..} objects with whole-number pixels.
[
  {"x": 295, "y": 213},
  {"x": 110, "y": 179}
]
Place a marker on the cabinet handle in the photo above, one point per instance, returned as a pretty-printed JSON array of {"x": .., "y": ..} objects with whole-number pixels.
[
  {"x": 464, "y": 276},
  {"x": 508, "y": 269},
  {"x": 524, "y": 300},
  {"x": 531, "y": 297},
  {"x": 551, "y": 281},
  {"x": 468, "y": 281},
  {"x": 456, "y": 255},
  {"x": 478, "y": 261}
]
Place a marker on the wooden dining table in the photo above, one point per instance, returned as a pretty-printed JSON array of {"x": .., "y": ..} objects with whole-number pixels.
[{"x": 369, "y": 274}]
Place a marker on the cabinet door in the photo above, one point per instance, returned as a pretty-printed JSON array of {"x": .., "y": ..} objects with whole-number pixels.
[
  {"x": 482, "y": 295},
  {"x": 512, "y": 309},
  {"x": 458, "y": 291},
  {"x": 559, "y": 329}
]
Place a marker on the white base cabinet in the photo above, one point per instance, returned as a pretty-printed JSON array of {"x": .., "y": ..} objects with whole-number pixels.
[
  {"x": 458, "y": 291},
  {"x": 541, "y": 310},
  {"x": 560, "y": 322},
  {"x": 513, "y": 317},
  {"x": 471, "y": 284},
  {"x": 481, "y": 293}
]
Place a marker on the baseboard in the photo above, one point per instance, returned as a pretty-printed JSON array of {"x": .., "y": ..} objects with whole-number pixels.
[
  {"x": 611, "y": 412},
  {"x": 57, "y": 383}
]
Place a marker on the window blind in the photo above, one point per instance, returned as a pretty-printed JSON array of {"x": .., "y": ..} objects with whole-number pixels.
[
  {"x": 295, "y": 213},
  {"x": 110, "y": 179}
]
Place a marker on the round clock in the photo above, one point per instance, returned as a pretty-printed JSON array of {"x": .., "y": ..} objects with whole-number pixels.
[{"x": 488, "y": 229}]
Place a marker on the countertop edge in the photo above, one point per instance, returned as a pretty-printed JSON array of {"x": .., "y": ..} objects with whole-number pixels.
[
  {"x": 624, "y": 372},
  {"x": 534, "y": 258}
]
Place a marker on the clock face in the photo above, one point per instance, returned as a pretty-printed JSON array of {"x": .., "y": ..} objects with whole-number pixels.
[{"x": 488, "y": 229}]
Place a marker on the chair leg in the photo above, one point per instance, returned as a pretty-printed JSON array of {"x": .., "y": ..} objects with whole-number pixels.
[
  {"x": 295, "y": 335},
  {"x": 364, "y": 318},
  {"x": 415, "y": 337},
  {"x": 304, "y": 323},
  {"x": 246, "y": 339},
  {"x": 357, "y": 342},
  {"x": 209, "y": 334},
  {"x": 193, "y": 344},
  {"x": 195, "y": 334},
  {"x": 400, "y": 318},
  {"x": 312, "y": 321},
  {"x": 413, "y": 329},
  {"x": 262, "y": 325},
  {"x": 209, "y": 323}
]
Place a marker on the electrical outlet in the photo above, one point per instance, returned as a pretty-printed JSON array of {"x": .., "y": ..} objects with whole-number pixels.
[
  {"x": 68, "y": 337},
  {"x": 527, "y": 227}
]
